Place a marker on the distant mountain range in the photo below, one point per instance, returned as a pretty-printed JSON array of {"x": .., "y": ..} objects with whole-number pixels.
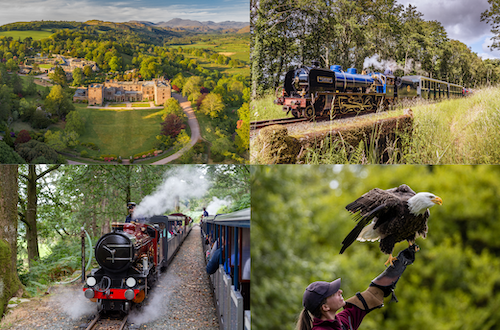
[{"x": 197, "y": 25}]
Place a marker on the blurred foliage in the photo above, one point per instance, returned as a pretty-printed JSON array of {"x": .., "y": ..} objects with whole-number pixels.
[
  {"x": 60, "y": 264},
  {"x": 299, "y": 221}
]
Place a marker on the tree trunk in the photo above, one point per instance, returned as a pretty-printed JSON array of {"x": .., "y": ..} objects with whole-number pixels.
[
  {"x": 105, "y": 225},
  {"x": 9, "y": 282},
  {"x": 31, "y": 227}
]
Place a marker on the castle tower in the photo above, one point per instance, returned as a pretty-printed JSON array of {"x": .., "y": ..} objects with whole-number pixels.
[
  {"x": 162, "y": 91},
  {"x": 96, "y": 94}
]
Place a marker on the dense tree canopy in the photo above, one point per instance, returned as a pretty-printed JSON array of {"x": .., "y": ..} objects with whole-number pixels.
[{"x": 299, "y": 221}]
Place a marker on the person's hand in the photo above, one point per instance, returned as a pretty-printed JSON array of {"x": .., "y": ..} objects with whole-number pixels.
[{"x": 390, "y": 276}]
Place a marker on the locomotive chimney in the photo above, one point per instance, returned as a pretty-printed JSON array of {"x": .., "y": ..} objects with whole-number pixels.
[{"x": 176, "y": 204}]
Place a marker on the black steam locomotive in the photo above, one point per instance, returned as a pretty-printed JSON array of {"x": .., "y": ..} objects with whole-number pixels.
[
  {"x": 317, "y": 92},
  {"x": 131, "y": 258}
]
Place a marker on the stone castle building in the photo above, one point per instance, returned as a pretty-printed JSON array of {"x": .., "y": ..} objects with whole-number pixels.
[{"x": 157, "y": 90}]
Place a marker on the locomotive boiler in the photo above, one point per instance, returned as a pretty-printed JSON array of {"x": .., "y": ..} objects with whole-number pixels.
[{"x": 131, "y": 258}]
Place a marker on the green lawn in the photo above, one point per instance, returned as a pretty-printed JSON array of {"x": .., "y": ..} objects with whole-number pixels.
[
  {"x": 140, "y": 105},
  {"x": 122, "y": 133},
  {"x": 36, "y": 35}
]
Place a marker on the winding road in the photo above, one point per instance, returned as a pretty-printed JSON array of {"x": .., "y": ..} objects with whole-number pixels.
[{"x": 193, "y": 124}]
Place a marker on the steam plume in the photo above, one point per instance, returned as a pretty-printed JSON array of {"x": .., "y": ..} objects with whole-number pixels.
[
  {"x": 216, "y": 204},
  {"x": 183, "y": 183}
]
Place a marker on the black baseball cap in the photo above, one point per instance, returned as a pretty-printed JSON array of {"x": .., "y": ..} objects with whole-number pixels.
[{"x": 316, "y": 292}]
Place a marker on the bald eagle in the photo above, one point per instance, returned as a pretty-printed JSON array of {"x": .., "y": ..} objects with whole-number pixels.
[{"x": 391, "y": 216}]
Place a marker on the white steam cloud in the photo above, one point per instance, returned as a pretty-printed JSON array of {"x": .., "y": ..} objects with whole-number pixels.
[
  {"x": 73, "y": 302},
  {"x": 216, "y": 204},
  {"x": 376, "y": 63},
  {"x": 157, "y": 305},
  {"x": 183, "y": 183}
]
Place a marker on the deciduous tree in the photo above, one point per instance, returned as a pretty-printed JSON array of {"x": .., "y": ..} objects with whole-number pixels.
[
  {"x": 9, "y": 281},
  {"x": 212, "y": 105},
  {"x": 172, "y": 125}
]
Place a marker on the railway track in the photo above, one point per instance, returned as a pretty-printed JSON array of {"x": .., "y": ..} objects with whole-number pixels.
[
  {"x": 100, "y": 323},
  {"x": 255, "y": 125},
  {"x": 282, "y": 121}
]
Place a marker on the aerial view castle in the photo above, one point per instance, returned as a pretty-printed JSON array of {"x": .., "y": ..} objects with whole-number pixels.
[{"x": 157, "y": 90}]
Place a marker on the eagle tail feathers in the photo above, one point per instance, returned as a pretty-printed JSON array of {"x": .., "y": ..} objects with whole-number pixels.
[
  {"x": 353, "y": 235},
  {"x": 362, "y": 222},
  {"x": 368, "y": 234}
]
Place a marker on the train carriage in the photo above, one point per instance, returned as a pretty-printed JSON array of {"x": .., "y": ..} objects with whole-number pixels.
[
  {"x": 231, "y": 282},
  {"x": 428, "y": 88}
]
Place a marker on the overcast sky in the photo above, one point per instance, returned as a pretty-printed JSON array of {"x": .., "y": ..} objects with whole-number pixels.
[
  {"x": 462, "y": 21},
  {"x": 124, "y": 10}
]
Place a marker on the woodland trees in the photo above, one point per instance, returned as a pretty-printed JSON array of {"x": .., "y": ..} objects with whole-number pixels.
[{"x": 29, "y": 214}]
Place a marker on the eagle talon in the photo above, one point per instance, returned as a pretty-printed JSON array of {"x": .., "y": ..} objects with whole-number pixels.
[
  {"x": 390, "y": 260},
  {"x": 414, "y": 246}
]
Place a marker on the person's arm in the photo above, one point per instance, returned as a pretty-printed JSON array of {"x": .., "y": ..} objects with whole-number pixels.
[{"x": 384, "y": 284}]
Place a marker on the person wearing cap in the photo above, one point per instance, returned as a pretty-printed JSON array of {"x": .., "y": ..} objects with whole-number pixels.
[
  {"x": 131, "y": 208},
  {"x": 322, "y": 299}
]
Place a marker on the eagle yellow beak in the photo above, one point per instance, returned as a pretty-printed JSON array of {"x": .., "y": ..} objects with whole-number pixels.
[{"x": 437, "y": 200}]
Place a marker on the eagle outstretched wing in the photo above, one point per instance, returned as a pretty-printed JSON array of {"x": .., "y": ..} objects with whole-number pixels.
[{"x": 384, "y": 205}]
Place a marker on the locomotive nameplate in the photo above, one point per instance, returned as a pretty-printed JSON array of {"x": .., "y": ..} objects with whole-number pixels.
[{"x": 325, "y": 80}]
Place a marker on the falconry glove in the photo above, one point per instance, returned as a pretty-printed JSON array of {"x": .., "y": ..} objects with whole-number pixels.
[
  {"x": 388, "y": 279},
  {"x": 384, "y": 284}
]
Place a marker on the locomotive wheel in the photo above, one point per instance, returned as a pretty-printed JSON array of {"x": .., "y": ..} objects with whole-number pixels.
[
  {"x": 319, "y": 105},
  {"x": 308, "y": 112},
  {"x": 368, "y": 103}
]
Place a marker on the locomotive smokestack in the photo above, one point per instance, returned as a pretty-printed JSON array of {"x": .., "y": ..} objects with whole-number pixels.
[{"x": 176, "y": 204}]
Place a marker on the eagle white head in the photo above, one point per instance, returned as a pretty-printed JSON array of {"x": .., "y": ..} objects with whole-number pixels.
[{"x": 419, "y": 203}]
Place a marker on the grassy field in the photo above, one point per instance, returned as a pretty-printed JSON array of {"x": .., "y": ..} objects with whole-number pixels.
[
  {"x": 238, "y": 46},
  {"x": 36, "y": 35},
  {"x": 120, "y": 132}
]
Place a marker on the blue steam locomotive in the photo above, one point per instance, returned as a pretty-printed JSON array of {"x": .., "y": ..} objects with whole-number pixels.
[{"x": 317, "y": 92}]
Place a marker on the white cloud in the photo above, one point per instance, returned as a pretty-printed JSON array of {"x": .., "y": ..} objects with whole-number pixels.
[
  {"x": 460, "y": 18},
  {"x": 124, "y": 11}
]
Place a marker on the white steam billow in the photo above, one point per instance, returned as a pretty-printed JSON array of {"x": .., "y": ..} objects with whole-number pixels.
[
  {"x": 376, "y": 63},
  {"x": 216, "y": 204},
  {"x": 183, "y": 183},
  {"x": 73, "y": 302},
  {"x": 157, "y": 304}
]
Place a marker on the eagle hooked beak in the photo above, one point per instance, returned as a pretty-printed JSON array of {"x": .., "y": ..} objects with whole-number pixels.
[{"x": 437, "y": 200}]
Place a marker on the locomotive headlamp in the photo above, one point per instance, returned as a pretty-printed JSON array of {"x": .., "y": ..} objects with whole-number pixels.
[
  {"x": 131, "y": 282},
  {"x": 91, "y": 281},
  {"x": 89, "y": 293},
  {"x": 129, "y": 294}
]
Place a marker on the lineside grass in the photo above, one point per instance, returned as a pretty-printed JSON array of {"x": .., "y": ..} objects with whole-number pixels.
[
  {"x": 458, "y": 131},
  {"x": 264, "y": 108},
  {"x": 122, "y": 133}
]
